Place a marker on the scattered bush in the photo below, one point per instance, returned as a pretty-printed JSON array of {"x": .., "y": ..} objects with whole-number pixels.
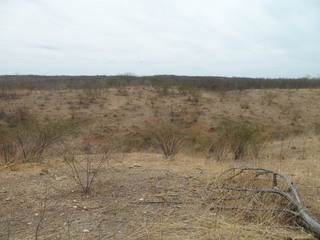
[
  {"x": 25, "y": 138},
  {"x": 238, "y": 137},
  {"x": 170, "y": 136}
]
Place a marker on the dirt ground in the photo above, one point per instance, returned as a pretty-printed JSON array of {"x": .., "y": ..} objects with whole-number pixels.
[
  {"x": 127, "y": 200},
  {"x": 136, "y": 196},
  {"x": 140, "y": 195}
]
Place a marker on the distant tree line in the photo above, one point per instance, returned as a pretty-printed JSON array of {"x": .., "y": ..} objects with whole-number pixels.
[{"x": 36, "y": 82}]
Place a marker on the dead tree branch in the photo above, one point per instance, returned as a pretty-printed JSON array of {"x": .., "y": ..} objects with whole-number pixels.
[{"x": 236, "y": 180}]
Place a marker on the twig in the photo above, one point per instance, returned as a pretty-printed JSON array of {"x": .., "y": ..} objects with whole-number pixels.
[
  {"x": 159, "y": 202},
  {"x": 68, "y": 225},
  {"x": 9, "y": 229},
  {"x": 42, "y": 212},
  {"x": 7, "y": 166}
]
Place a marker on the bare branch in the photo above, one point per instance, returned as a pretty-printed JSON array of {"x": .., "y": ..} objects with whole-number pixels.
[{"x": 290, "y": 194}]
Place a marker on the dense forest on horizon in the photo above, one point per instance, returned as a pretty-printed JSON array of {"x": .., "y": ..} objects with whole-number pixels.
[{"x": 38, "y": 82}]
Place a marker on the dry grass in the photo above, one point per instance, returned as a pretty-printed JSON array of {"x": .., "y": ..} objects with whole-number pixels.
[
  {"x": 142, "y": 195},
  {"x": 139, "y": 196}
]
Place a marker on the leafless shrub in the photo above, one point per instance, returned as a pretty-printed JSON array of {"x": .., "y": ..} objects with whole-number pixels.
[
  {"x": 86, "y": 167},
  {"x": 85, "y": 171}
]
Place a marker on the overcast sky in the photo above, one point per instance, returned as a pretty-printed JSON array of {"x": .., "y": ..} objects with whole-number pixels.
[{"x": 252, "y": 38}]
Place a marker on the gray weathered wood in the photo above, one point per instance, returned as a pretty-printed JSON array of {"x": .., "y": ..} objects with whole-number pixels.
[{"x": 291, "y": 194}]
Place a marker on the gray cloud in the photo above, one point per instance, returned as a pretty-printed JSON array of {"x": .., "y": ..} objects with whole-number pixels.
[
  {"x": 255, "y": 38},
  {"x": 47, "y": 47}
]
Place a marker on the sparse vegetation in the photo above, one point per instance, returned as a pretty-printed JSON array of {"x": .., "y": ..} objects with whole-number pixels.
[{"x": 90, "y": 192}]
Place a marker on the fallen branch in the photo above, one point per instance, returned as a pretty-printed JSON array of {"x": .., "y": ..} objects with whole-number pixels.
[
  {"x": 7, "y": 166},
  {"x": 290, "y": 194},
  {"x": 254, "y": 209},
  {"x": 157, "y": 202}
]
